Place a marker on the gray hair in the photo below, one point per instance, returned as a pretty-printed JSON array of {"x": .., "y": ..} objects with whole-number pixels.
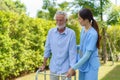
[{"x": 61, "y": 13}]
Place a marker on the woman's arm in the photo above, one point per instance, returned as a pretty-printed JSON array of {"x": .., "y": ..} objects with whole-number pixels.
[{"x": 82, "y": 60}]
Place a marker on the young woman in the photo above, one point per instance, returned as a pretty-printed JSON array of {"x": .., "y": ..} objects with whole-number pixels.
[{"x": 88, "y": 60}]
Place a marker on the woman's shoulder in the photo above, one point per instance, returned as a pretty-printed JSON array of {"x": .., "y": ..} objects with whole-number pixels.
[{"x": 92, "y": 31}]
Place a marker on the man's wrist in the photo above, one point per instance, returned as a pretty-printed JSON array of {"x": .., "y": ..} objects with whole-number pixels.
[{"x": 44, "y": 64}]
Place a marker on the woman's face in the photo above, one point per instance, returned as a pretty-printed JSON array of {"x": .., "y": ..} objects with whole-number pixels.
[{"x": 82, "y": 21}]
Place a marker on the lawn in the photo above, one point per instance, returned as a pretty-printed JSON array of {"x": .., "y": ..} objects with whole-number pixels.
[
  {"x": 109, "y": 72},
  {"x": 106, "y": 72}
]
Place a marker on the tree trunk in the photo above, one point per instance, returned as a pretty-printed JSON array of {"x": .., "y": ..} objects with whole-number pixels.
[
  {"x": 111, "y": 53},
  {"x": 104, "y": 51}
]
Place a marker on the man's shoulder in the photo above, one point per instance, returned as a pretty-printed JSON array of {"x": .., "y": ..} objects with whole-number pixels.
[
  {"x": 70, "y": 30},
  {"x": 52, "y": 29}
]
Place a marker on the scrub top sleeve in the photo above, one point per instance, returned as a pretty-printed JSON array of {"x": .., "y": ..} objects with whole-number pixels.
[
  {"x": 82, "y": 60},
  {"x": 92, "y": 42}
]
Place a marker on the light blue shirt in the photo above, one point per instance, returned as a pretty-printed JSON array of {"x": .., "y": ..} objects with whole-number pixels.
[
  {"x": 62, "y": 46},
  {"x": 88, "y": 50}
]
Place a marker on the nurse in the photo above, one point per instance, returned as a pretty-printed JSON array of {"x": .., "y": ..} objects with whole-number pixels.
[{"x": 88, "y": 60}]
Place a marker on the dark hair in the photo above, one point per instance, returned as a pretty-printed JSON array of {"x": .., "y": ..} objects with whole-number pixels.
[{"x": 87, "y": 14}]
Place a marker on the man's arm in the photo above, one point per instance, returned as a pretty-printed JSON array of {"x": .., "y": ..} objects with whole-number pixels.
[
  {"x": 44, "y": 64},
  {"x": 46, "y": 52},
  {"x": 72, "y": 50}
]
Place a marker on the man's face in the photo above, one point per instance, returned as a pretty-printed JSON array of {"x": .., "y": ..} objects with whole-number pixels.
[{"x": 60, "y": 20}]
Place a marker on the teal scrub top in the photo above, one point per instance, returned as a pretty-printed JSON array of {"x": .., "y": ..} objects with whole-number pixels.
[{"x": 88, "y": 41}]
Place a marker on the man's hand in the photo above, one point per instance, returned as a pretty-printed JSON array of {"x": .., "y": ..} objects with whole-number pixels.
[
  {"x": 42, "y": 68},
  {"x": 71, "y": 72}
]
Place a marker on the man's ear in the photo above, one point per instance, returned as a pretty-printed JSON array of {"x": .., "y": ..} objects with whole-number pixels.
[{"x": 66, "y": 20}]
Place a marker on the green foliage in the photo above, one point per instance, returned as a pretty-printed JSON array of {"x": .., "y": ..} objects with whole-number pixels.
[
  {"x": 64, "y": 6},
  {"x": 93, "y": 5},
  {"x": 113, "y": 33},
  {"x": 14, "y": 6},
  {"x": 49, "y": 9},
  {"x": 48, "y": 15},
  {"x": 114, "y": 16},
  {"x": 21, "y": 43},
  {"x": 73, "y": 24}
]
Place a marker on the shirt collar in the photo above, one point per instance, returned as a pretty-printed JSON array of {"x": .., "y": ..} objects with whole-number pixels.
[{"x": 65, "y": 32}]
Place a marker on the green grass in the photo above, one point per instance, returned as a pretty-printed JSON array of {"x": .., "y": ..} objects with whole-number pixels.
[{"x": 106, "y": 72}]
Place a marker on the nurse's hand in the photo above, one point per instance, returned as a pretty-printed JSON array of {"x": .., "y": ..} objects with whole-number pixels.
[{"x": 71, "y": 72}]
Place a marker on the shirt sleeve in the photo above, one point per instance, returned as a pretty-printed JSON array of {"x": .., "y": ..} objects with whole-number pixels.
[
  {"x": 82, "y": 60},
  {"x": 78, "y": 48},
  {"x": 47, "y": 46},
  {"x": 72, "y": 50},
  {"x": 92, "y": 44}
]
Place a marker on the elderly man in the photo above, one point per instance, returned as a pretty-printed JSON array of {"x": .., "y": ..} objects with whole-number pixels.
[{"x": 61, "y": 43}]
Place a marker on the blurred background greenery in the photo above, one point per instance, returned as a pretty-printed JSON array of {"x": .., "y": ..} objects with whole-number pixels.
[{"x": 22, "y": 37}]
